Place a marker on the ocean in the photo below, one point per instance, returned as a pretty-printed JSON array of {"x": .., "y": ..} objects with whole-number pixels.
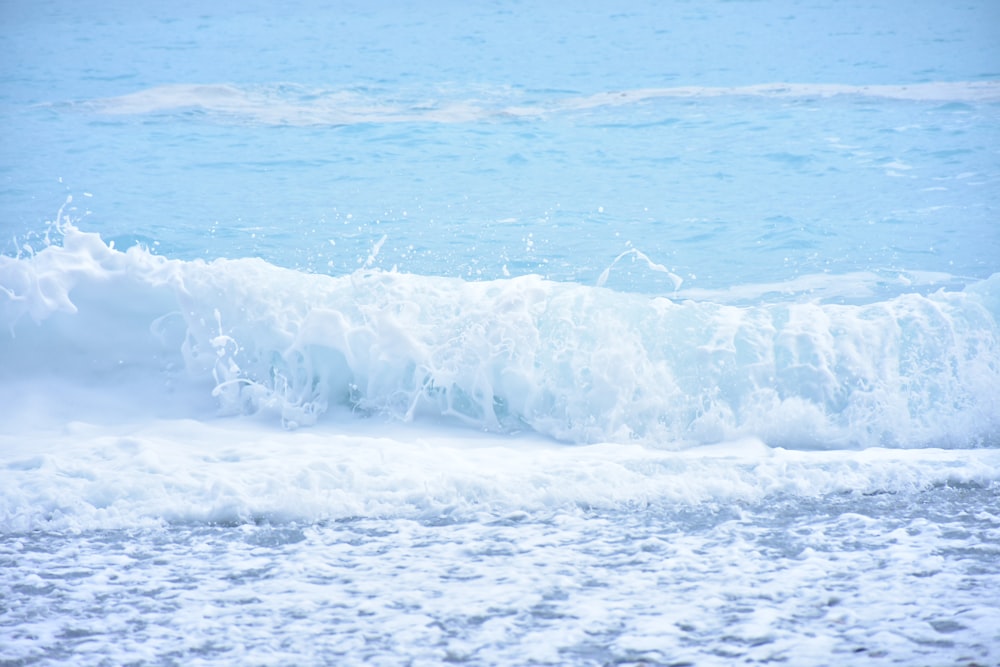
[{"x": 500, "y": 333}]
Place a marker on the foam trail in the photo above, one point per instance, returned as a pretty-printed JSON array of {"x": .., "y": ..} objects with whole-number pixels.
[{"x": 287, "y": 104}]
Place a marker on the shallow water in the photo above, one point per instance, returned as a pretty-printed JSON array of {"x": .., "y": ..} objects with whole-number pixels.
[{"x": 839, "y": 579}]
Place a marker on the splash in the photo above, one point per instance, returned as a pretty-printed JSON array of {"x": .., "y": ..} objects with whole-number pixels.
[
  {"x": 638, "y": 254},
  {"x": 571, "y": 362}
]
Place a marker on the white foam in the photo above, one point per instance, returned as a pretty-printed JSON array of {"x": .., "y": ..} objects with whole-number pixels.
[
  {"x": 87, "y": 476},
  {"x": 145, "y": 334},
  {"x": 289, "y": 104}
]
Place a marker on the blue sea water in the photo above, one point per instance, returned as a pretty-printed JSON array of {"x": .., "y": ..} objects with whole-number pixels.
[{"x": 500, "y": 333}]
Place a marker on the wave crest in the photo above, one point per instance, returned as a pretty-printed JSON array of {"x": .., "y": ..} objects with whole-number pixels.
[{"x": 576, "y": 363}]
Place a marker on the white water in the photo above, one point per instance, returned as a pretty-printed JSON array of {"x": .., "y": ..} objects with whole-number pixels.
[
  {"x": 575, "y": 363},
  {"x": 445, "y": 503},
  {"x": 193, "y": 542}
]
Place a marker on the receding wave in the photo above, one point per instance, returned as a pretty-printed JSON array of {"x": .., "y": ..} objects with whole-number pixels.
[
  {"x": 297, "y": 105},
  {"x": 576, "y": 363}
]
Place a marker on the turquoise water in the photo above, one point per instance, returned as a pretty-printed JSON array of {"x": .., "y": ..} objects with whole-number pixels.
[
  {"x": 498, "y": 333},
  {"x": 459, "y": 132}
]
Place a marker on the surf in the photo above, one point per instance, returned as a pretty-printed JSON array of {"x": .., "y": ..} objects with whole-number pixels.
[{"x": 572, "y": 362}]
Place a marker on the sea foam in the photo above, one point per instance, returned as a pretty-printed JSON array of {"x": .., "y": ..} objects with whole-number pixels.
[
  {"x": 575, "y": 363},
  {"x": 286, "y": 104}
]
